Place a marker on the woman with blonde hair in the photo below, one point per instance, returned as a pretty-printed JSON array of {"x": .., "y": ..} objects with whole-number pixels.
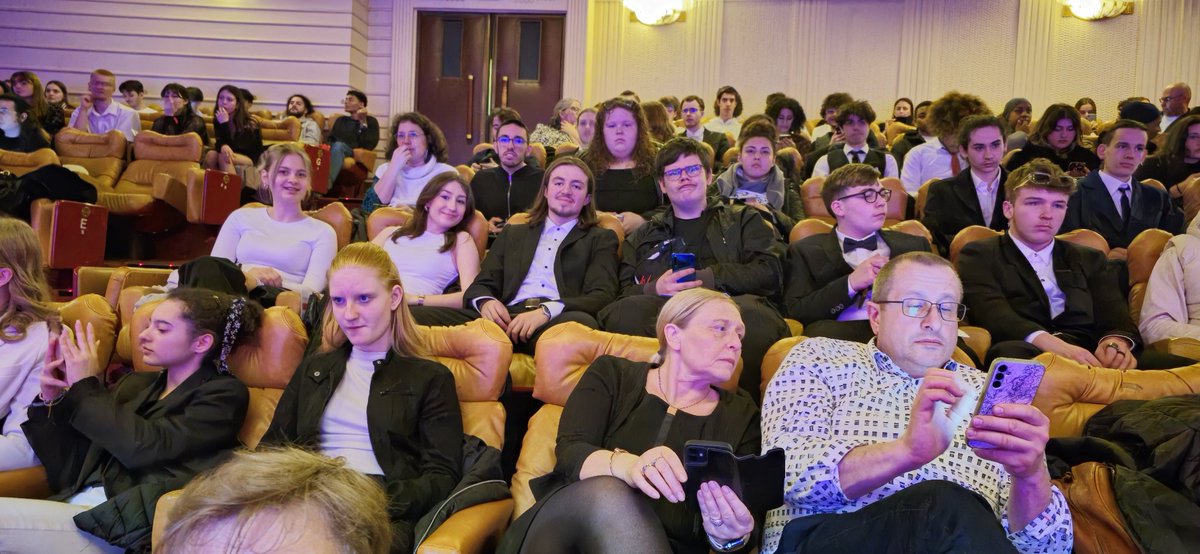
[
  {"x": 371, "y": 395},
  {"x": 25, "y": 321},
  {"x": 621, "y": 441}
]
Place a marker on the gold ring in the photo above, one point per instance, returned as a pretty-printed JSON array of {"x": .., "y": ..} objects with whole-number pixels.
[{"x": 1111, "y": 344}]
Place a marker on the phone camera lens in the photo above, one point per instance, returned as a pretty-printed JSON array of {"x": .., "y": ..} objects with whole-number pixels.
[
  {"x": 996, "y": 384},
  {"x": 1001, "y": 369}
]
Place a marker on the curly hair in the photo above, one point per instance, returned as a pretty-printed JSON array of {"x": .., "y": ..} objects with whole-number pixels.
[
  {"x": 599, "y": 158},
  {"x": 947, "y": 112},
  {"x": 785, "y": 103},
  {"x": 435, "y": 141}
]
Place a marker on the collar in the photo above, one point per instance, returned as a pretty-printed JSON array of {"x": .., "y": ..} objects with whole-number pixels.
[
  {"x": 841, "y": 237},
  {"x": 981, "y": 186},
  {"x": 1112, "y": 183},
  {"x": 864, "y": 149},
  {"x": 884, "y": 362},
  {"x": 1028, "y": 251},
  {"x": 114, "y": 108},
  {"x": 549, "y": 226},
  {"x": 698, "y": 135},
  {"x": 423, "y": 170}
]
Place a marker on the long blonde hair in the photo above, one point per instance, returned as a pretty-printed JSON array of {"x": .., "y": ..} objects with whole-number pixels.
[
  {"x": 28, "y": 291},
  {"x": 407, "y": 339},
  {"x": 270, "y": 161}
]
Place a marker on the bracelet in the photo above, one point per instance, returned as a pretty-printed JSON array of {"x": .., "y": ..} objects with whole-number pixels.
[
  {"x": 727, "y": 546},
  {"x": 420, "y": 299},
  {"x": 610, "y": 460}
]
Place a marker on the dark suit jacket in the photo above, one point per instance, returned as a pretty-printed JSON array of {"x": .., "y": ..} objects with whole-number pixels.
[
  {"x": 818, "y": 275},
  {"x": 953, "y": 205},
  {"x": 718, "y": 141},
  {"x": 1005, "y": 296},
  {"x": 1091, "y": 207},
  {"x": 585, "y": 267}
]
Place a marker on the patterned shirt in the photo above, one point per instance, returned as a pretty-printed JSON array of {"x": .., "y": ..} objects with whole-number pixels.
[{"x": 831, "y": 396}]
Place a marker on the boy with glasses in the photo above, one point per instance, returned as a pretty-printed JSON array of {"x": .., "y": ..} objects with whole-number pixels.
[
  {"x": 692, "y": 110},
  {"x": 512, "y": 185}
]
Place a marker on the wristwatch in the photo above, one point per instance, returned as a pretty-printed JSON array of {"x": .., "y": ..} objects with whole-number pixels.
[
  {"x": 546, "y": 310},
  {"x": 727, "y": 546}
]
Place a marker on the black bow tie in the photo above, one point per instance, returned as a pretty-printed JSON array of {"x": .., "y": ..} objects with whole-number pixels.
[{"x": 849, "y": 245}]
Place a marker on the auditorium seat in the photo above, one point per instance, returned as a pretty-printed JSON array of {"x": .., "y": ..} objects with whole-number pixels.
[
  {"x": 275, "y": 131},
  {"x": 465, "y": 172},
  {"x": 1188, "y": 191},
  {"x": 387, "y": 216},
  {"x": 897, "y": 205},
  {"x": 103, "y": 156},
  {"x": 155, "y": 154},
  {"x": 1087, "y": 238},
  {"x": 1144, "y": 252},
  {"x": 20, "y": 163},
  {"x": 967, "y": 236},
  {"x": 320, "y": 119},
  {"x": 481, "y": 147},
  {"x": 538, "y": 151},
  {"x": 923, "y": 197},
  {"x": 810, "y": 198},
  {"x": 810, "y": 226},
  {"x": 568, "y": 149},
  {"x": 730, "y": 156},
  {"x": 895, "y": 129}
]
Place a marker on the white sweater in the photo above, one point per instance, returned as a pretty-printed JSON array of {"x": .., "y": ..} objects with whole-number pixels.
[
  {"x": 300, "y": 251},
  {"x": 20, "y": 369}
]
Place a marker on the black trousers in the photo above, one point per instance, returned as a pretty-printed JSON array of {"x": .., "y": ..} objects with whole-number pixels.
[
  {"x": 860, "y": 331},
  {"x": 929, "y": 517},
  {"x": 221, "y": 275},
  {"x": 636, "y": 315},
  {"x": 438, "y": 316},
  {"x": 1147, "y": 359}
]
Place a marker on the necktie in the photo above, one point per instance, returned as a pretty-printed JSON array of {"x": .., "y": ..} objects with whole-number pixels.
[
  {"x": 856, "y": 156},
  {"x": 1124, "y": 188},
  {"x": 849, "y": 245},
  {"x": 955, "y": 165}
]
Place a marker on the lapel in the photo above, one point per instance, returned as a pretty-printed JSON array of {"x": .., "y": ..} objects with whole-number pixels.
[
  {"x": 1096, "y": 196},
  {"x": 1024, "y": 270},
  {"x": 964, "y": 189},
  {"x": 833, "y": 254},
  {"x": 574, "y": 235},
  {"x": 523, "y": 257}
]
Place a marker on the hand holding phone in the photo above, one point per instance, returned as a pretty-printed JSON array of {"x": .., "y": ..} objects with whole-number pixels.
[{"x": 682, "y": 261}]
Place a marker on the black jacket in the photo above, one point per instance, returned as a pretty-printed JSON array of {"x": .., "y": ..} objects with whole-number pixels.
[
  {"x": 749, "y": 257},
  {"x": 912, "y": 139},
  {"x": 953, "y": 205},
  {"x": 1091, "y": 207},
  {"x": 346, "y": 129},
  {"x": 1006, "y": 297},
  {"x": 497, "y": 194},
  {"x": 413, "y": 419},
  {"x": 1077, "y": 156},
  {"x": 818, "y": 275},
  {"x": 140, "y": 447},
  {"x": 585, "y": 267}
]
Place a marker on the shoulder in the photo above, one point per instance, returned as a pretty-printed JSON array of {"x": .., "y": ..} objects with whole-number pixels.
[
  {"x": 619, "y": 370},
  {"x": 322, "y": 228},
  {"x": 984, "y": 246},
  {"x": 384, "y": 236},
  {"x": 247, "y": 214},
  {"x": 821, "y": 358},
  {"x": 423, "y": 369},
  {"x": 1089, "y": 256}
]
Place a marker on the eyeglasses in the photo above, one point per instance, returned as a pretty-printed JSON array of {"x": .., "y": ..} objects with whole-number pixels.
[
  {"x": 674, "y": 175},
  {"x": 871, "y": 195},
  {"x": 691, "y": 110},
  {"x": 1042, "y": 178},
  {"x": 918, "y": 308},
  {"x": 1166, "y": 99},
  {"x": 514, "y": 141},
  {"x": 411, "y": 136}
]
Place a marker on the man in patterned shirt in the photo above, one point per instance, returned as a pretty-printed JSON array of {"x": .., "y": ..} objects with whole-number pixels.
[{"x": 876, "y": 436}]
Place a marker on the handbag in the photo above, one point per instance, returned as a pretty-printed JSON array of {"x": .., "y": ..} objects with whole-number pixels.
[{"x": 1100, "y": 527}]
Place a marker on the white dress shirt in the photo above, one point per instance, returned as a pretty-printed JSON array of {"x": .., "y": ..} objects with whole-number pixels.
[
  {"x": 719, "y": 125},
  {"x": 889, "y": 168},
  {"x": 853, "y": 310},
  {"x": 1043, "y": 264},
  {"x": 928, "y": 161},
  {"x": 1114, "y": 185},
  {"x": 116, "y": 116},
  {"x": 986, "y": 191}
]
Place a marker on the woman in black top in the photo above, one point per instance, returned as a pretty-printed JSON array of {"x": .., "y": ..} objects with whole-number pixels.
[
  {"x": 622, "y": 159},
  {"x": 239, "y": 139},
  {"x": 27, "y": 85},
  {"x": 1180, "y": 157},
  {"x": 621, "y": 440},
  {"x": 19, "y": 130},
  {"x": 1056, "y": 138},
  {"x": 57, "y": 96},
  {"x": 373, "y": 396},
  {"x": 178, "y": 117},
  {"x": 119, "y": 451}
]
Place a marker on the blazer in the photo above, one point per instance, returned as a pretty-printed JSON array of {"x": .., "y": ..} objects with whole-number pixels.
[
  {"x": 140, "y": 447},
  {"x": 953, "y": 205},
  {"x": 413, "y": 420},
  {"x": 818, "y": 276},
  {"x": 585, "y": 267},
  {"x": 1091, "y": 207},
  {"x": 1005, "y": 296},
  {"x": 718, "y": 141}
]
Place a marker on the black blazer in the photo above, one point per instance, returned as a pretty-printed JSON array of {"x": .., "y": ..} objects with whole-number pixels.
[
  {"x": 953, "y": 205},
  {"x": 140, "y": 447},
  {"x": 413, "y": 420},
  {"x": 718, "y": 141},
  {"x": 1006, "y": 297},
  {"x": 585, "y": 267},
  {"x": 1091, "y": 207},
  {"x": 818, "y": 275}
]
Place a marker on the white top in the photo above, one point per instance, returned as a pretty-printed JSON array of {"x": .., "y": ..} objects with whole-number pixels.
[
  {"x": 1172, "y": 301},
  {"x": 344, "y": 425},
  {"x": 20, "y": 370},
  {"x": 117, "y": 116},
  {"x": 423, "y": 270},
  {"x": 717, "y": 124},
  {"x": 1043, "y": 265},
  {"x": 928, "y": 161},
  {"x": 856, "y": 311},
  {"x": 300, "y": 251},
  {"x": 410, "y": 181},
  {"x": 986, "y": 192},
  {"x": 889, "y": 167}
]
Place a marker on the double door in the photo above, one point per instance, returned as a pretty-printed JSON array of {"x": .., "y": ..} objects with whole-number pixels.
[{"x": 468, "y": 64}]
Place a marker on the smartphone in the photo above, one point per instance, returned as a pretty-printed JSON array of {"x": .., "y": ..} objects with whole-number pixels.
[
  {"x": 757, "y": 480},
  {"x": 682, "y": 261},
  {"x": 1009, "y": 381}
]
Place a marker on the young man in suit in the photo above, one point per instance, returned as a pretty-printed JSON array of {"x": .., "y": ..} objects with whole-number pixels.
[
  {"x": 692, "y": 108},
  {"x": 855, "y": 120},
  {"x": 1111, "y": 202},
  {"x": 830, "y": 275},
  {"x": 976, "y": 195},
  {"x": 560, "y": 266},
  {"x": 1037, "y": 294}
]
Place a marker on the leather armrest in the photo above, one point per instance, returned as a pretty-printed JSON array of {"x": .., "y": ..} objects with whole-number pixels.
[
  {"x": 289, "y": 299},
  {"x": 978, "y": 338},
  {"x": 472, "y": 530},
  {"x": 537, "y": 455},
  {"x": 365, "y": 157},
  {"x": 1180, "y": 346},
  {"x": 29, "y": 482},
  {"x": 162, "y": 513},
  {"x": 94, "y": 280},
  {"x": 173, "y": 190}
]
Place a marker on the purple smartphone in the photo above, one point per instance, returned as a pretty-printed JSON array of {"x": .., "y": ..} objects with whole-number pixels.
[{"x": 1010, "y": 381}]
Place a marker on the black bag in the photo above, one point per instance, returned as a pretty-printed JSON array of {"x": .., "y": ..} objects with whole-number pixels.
[
  {"x": 53, "y": 182},
  {"x": 11, "y": 194}
]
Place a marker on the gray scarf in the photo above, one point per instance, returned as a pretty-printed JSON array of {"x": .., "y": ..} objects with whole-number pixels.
[{"x": 772, "y": 185}]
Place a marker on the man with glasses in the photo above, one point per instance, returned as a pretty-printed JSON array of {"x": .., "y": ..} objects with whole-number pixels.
[
  {"x": 100, "y": 113},
  {"x": 1035, "y": 293},
  {"x": 695, "y": 243},
  {"x": 692, "y": 109},
  {"x": 830, "y": 275},
  {"x": 511, "y": 186},
  {"x": 1174, "y": 101},
  {"x": 877, "y": 434}
]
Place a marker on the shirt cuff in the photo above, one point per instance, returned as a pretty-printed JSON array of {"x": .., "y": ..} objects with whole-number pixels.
[
  {"x": 1127, "y": 340},
  {"x": 479, "y": 302},
  {"x": 1050, "y": 531},
  {"x": 1034, "y": 335},
  {"x": 555, "y": 308}
]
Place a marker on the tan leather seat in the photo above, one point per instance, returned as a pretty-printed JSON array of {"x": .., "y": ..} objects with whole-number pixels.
[
  {"x": 967, "y": 236},
  {"x": 538, "y": 151},
  {"x": 898, "y": 203},
  {"x": 1144, "y": 252},
  {"x": 923, "y": 197},
  {"x": 810, "y": 198},
  {"x": 276, "y": 131},
  {"x": 808, "y": 227},
  {"x": 154, "y": 153},
  {"x": 1086, "y": 237},
  {"x": 387, "y": 216},
  {"x": 20, "y": 163},
  {"x": 103, "y": 156},
  {"x": 465, "y": 172}
]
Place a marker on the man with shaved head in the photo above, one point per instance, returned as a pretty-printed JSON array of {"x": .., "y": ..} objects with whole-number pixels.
[{"x": 1175, "y": 100}]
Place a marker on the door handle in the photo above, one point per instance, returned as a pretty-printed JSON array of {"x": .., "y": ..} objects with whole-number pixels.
[
  {"x": 470, "y": 106},
  {"x": 504, "y": 91}
]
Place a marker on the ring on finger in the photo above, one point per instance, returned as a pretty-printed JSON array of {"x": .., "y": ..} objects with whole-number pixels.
[
  {"x": 645, "y": 467},
  {"x": 716, "y": 520}
]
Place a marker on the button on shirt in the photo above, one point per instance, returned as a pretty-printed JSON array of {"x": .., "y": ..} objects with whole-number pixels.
[
  {"x": 1043, "y": 265},
  {"x": 1114, "y": 185},
  {"x": 927, "y": 161},
  {"x": 890, "y": 168},
  {"x": 832, "y": 396},
  {"x": 987, "y": 195},
  {"x": 116, "y": 116},
  {"x": 854, "y": 311},
  {"x": 540, "y": 281}
]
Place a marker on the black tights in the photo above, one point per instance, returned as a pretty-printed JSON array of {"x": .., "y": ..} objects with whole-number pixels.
[{"x": 596, "y": 515}]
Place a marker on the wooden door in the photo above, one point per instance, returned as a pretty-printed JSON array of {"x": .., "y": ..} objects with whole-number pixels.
[
  {"x": 528, "y": 65},
  {"x": 452, "y": 58}
]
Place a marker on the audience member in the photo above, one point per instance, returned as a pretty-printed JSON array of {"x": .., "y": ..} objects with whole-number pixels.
[
  {"x": 755, "y": 181},
  {"x": 729, "y": 108},
  {"x": 586, "y": 126},
  {"x": 902, "y": 112},
  {"x": 239, "y": 138},
  {"x": 279, "y": 500},
  {"x": 178, "y": 117},
  {"x": 1057, "y": 138},
  {"x": 619, "y": 463},
  {"x": 976, "y": 195},
  {"x": 734, "y": 250},
  {"x": 622, "y": 161},
  {"x": 20, "y": 129},
  {"x": 1179, "y": 159},
  {"x": 110, "y": 455},
  {"x": 1149, "y": 116},
  {"x": 195, "y": 98},
  {"x": 57, "y": 96},
  {"x": 1170, "y": 308},
  {"x": 359, "y": 129},
  {"x": 789, "y": 120},
  {"x": 940, "y": 157},
  {"x": 512, "y": 186},
  {"x": 829, "y": 111},
  {"x": 693, "y": 113},
  {"x": 433, "y": 249},
  {"x": 300, "y": 107},
  {"x": 560, "y": 266},
  {"x": 52, "y": 118},
  {"x": 830, "y": 275},
  {"x": 877, "y": 436},
  {"x": 372, "y": 394},
  {"x": 26, "y": 317},
  {"x": 248, "y": 99},
  {"x": 1087, "y": 110},
  {"x": 630, "y": 95},
  {"x": 1036, "y": 293},
  {"x": 487, "y": 158},
  {"x": 1111, "y": 201},
  {"x": 417, "y": 152},
  {"x": 1017, "y": 115},
  {"x": 561, "y": 128},
  {"x": 854, "y": 119},
  {"x": 1174, "y": 101},
  {"x": 913, "y": 138},
  {"x": 658, "y": 121},
  {"x": 671, "y": 103},
  {"x": 135, "y": 95}
]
